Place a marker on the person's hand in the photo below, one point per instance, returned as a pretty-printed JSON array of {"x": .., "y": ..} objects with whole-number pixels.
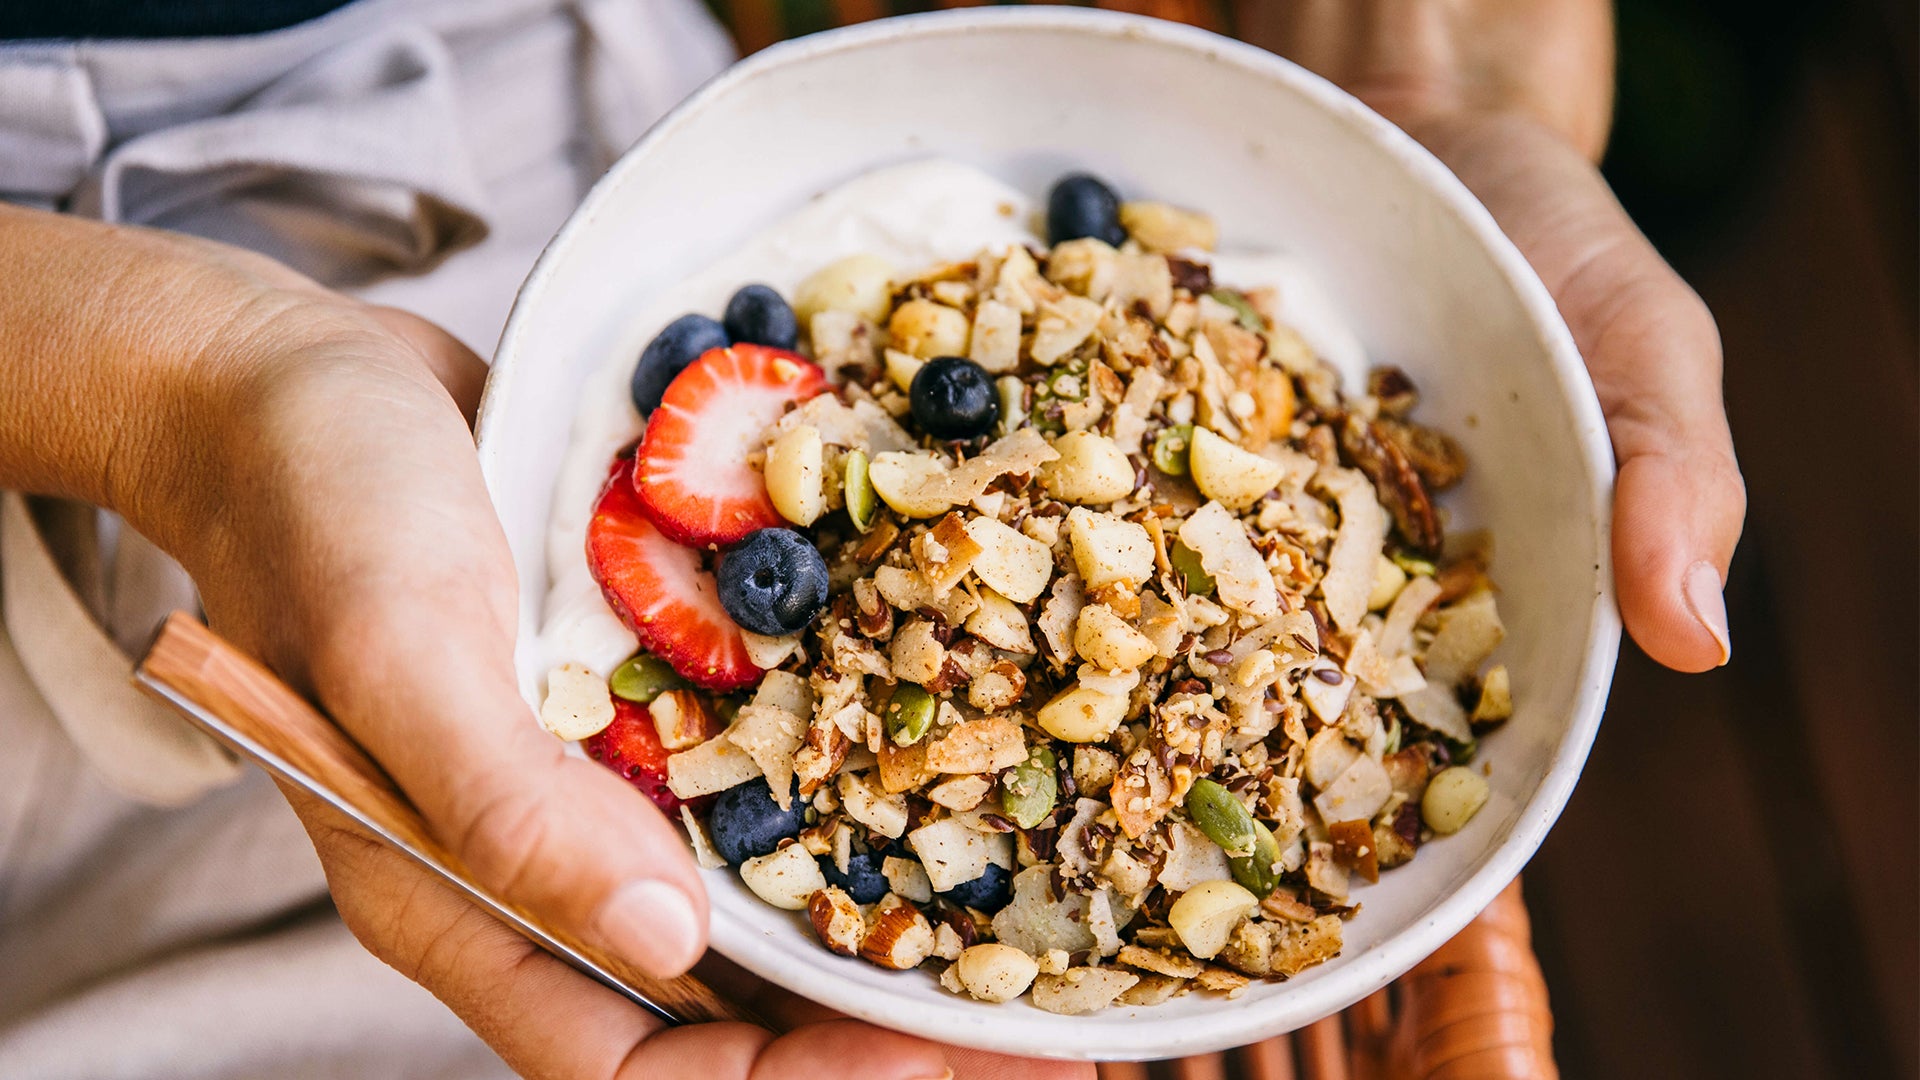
[
  {"x": 1515, "y": 95},
  {"x": 307, "y": 458},
  {"x": 402, "y": 625}
]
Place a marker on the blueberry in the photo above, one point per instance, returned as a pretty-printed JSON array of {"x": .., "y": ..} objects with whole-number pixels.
[
  {"x": 745, "y": 821},
  {"x": 670, "y": 351},
  {"x": 989, "y": 892},
  {"x": 757, "y": 315},
  {"x": 1080, "y": 205},
  {"x": 863, "y": 879},
  {"x": 953, "y": 398},
  {"x": 774, "y": 582}
]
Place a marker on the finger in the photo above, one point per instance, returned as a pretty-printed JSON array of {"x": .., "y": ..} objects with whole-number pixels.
[
  {"x": 458, "y": 368},
  {"x": 1654, "y": 355},
  {"x": 399, "y": 616},
  {"x": 558, "y": 834},
  {"x": 541, "y": 1016},
  {"x": 547, "y": 1020}
]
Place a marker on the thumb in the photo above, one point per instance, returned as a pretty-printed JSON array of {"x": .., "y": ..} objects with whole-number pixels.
[
  {"x": 459, "y": 369},
  {"x": 557, "y": 834},
  {"x": 1654, "y": 354}
]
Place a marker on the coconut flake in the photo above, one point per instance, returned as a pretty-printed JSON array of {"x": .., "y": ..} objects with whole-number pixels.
[
  {"x": 1240, "y": 576},
  {"x": 1356, "y": 547}
]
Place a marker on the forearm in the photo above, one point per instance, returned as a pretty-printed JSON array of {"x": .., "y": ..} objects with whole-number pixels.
[{"x": 1551, "y": 60}]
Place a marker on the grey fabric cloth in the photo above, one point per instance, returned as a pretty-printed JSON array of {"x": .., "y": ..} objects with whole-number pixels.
[{"x": 161, "y": 912}]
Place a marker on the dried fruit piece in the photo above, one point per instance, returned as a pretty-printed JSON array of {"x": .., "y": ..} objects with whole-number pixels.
[
  {"x": 1354, "y": 849},
  {"x": 1435, "y": 456},
  {"x": 1399, "y": 487}
]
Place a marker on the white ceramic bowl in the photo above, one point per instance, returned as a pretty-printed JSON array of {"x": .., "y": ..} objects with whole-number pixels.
[{"x": 1283, "y": 160}]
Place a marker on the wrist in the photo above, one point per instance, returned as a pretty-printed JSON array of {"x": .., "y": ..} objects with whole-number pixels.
[
  {"x": 123, "y": 355},
  {"x": 1426, "y": 62}
]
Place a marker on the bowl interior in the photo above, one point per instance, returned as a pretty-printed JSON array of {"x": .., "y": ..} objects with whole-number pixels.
[{"x": 1283, "y": 161}]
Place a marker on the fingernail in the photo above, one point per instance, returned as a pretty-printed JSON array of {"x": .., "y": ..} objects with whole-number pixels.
[
  {"x": 652, "y": 924},
  {"x": 945, "y": 1074},
  {"x": 1708, "y": 603}
]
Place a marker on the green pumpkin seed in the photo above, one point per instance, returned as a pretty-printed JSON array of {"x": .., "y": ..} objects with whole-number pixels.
[
  {"x": 1031, "y": 788},
  {"x": 1393, "y": 737},
  {"x": 861, "y": 502},
  {"x": 1069, "y": 381},
  {"x": 1256, "y": 872},
  {"x": 1170, "y": 449},
  {"x": 644, "y": 678},
  {"x": 1222, "y": 816},
  {"x": 1186, "y": 565},
  {"x": 1414, "y": 565},
  {"x": 909, "y": 714},
  {"x": 1242, "y": 307}
]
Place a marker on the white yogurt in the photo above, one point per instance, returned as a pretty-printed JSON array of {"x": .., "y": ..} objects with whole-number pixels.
[{"x": 913, "y": 215}]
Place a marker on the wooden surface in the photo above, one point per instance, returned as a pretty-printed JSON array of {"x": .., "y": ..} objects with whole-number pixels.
[
  {"x": 1475, "y": 1010},
  {"x": 196, "y": 664}
]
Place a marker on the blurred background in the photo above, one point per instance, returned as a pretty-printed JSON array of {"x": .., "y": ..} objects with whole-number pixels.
[{"x": 1732, "y": 892}]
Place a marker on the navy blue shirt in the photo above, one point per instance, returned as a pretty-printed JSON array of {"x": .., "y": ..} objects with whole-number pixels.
[{"x": 29, "y": 19}]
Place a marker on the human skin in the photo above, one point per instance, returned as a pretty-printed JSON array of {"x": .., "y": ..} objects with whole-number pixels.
[
  {"x": 1516, "y": 97},
  {"x": 307, "y": 458}
]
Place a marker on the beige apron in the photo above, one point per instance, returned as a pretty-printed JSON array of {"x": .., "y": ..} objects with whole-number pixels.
[{"x": 161, "y": 912}]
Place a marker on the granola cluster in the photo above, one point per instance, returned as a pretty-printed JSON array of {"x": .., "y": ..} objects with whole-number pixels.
[{"x": 1179, "y": 649}]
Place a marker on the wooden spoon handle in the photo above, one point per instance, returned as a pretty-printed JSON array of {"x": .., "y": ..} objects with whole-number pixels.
[{"x": 240, "y": 702}]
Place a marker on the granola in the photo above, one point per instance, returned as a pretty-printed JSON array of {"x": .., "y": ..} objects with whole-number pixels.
[{"x": 1116, "y": 700}]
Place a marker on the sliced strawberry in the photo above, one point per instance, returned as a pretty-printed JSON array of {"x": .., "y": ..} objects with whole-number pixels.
[
  {"x": 693, "y": 476},
  {"x": 659, "y": 590},
  {"x": 631, "y": 747}
]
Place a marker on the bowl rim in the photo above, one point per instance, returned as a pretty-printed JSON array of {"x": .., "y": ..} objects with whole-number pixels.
[{"x": 1379, "y": 965}]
